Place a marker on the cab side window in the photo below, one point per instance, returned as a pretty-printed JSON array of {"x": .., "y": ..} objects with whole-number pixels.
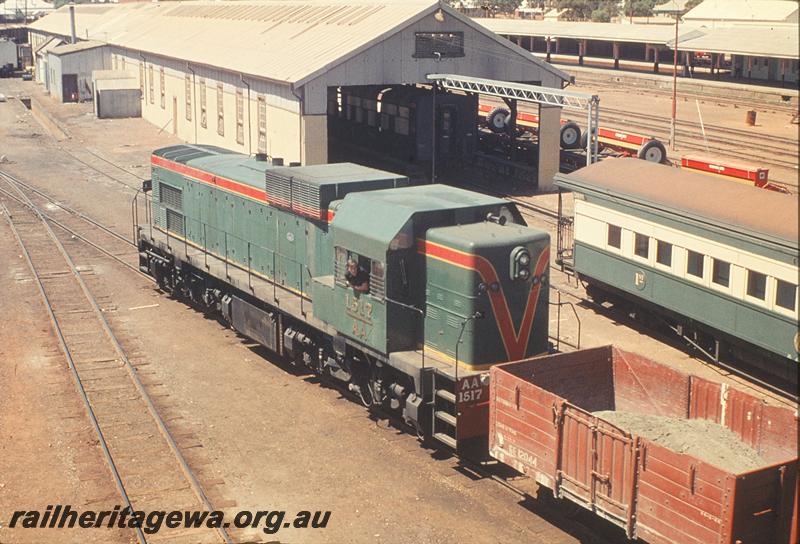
[{"x": 356, "y": 272}]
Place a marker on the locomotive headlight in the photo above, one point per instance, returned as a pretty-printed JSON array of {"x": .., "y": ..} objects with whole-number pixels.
[{"x": 519, "y": 265}]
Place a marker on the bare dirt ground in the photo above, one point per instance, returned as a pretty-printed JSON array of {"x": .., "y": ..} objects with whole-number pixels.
[
  {"x": 730, "y": 115},
  {"x": 261, "y": 437},
  {"x": 49, "y": 453}
]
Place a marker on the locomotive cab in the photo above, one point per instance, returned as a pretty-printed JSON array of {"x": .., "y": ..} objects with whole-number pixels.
[
  {"x": 486, "y": 287},
  {"x": 452, "y": 273}
]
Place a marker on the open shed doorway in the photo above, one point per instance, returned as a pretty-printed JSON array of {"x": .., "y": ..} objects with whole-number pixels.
[
  {"x": 392, "y": 128},
  {"x": 69, "y": 88}
]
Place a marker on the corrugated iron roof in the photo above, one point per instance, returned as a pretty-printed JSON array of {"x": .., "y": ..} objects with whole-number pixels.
[
  {"x": 776, "y": 42},
  {"x": 744, "y": 10},
  {"x": 654, "y": 34},
  {"x": 736, "y": 206},
  {"x": 764, "y": 41},
  {"x": 281, "y": 40},
  {"x": 66, "y": 49},
  {"x": 213, "y": 33}
]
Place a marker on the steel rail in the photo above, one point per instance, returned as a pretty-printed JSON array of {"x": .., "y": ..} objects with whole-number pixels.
[
  {"x": 78, "y": 235},
  {"x": 68, "y": 355},
  {"x": 66, "y": 208},
  {"x": 188, "y": 474}
]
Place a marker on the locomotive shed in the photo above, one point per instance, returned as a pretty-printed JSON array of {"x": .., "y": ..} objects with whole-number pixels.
[{"x": 308, "y": 82}]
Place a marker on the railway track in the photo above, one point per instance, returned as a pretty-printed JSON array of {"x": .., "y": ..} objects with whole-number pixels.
[
  {"x": 595, "y": 83},
  {"x": 149, "y": 469},
  {"x": 107, "y": 169},
  {"x": 770, "y": 150},
  {"x": 101, "y": 237}
]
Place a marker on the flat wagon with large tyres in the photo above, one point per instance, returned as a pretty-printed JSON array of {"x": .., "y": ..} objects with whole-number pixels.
[{"x": 557, "y": 419}]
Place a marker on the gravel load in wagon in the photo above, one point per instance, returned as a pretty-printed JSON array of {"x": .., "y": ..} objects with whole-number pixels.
[
  {"x": 708, "y": 441},
  {"x": 668, "y": 456}
]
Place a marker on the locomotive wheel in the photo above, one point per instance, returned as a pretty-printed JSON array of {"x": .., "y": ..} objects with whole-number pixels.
[
  {"x": 570, "y": 135},
  {"x": 497, "y": 119},
  {"x": 653, "y": 151}
]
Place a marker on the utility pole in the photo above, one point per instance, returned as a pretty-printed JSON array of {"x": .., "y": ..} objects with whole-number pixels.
[{"x": 674, "y": 85}]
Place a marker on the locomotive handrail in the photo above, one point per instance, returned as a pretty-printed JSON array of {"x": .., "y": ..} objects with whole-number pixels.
[
  {"x": 247, "y": 266},
  {"x": 422, "y": 314}
]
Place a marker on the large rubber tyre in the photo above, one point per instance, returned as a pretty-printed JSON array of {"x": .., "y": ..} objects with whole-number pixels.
[
  {"x": 653, "y": 151},
  {"x": 585, "y": 141},
  {"x": 570, "y": 135},
  {"x": 497, "y": 119}
]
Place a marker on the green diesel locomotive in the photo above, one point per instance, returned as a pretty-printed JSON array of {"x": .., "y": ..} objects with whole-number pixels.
[{"x": 406, "y": 294}]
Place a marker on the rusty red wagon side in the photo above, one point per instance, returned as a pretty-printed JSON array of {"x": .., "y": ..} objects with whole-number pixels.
[{"x": 542, "y": 424}]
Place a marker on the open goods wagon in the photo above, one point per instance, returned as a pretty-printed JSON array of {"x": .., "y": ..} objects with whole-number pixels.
[{"x": 542, "y": 423}]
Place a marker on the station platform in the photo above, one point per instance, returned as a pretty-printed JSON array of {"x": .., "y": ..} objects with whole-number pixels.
[{"x": 640, "y": 74}]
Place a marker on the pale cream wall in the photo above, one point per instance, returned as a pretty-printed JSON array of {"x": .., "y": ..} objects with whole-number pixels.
[
  {"x": 314, "y": 139},
  {"x": 283, "y": 130},
  {"x": 549, "y": 146}
]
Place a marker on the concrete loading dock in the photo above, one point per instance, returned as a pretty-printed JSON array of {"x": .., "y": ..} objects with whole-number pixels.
[{"x": 260, "y": 79}]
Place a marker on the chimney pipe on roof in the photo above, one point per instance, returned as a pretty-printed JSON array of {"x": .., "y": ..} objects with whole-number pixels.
[{"x": 72, "y": 22}]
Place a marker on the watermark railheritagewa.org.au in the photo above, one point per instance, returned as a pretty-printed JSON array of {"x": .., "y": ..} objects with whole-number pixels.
[{"x": 64, "y": 516}]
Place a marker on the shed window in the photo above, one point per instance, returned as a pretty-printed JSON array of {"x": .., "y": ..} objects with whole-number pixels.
[
  {"x": 188, "y": 92},
  {"x": 141, "y": 80},
  {"x": 721, "y": 273},
  {"x": 203, "y": 116},
  {"x": 641, "y": 245},
  {"x": 757, "y": 285},
  {"x": 430, "y": 45},
  {"x": 663, "y": 253},
  {"x": 163, "y": 89},
  {"x": 694, "y": 264},
  {"x": 220, "y": 110},
  {"x": 239, "y": 117},
  {"x": 152, "y": 86},
  {"x": 614, "y": 236},
  {"x": 262, "y": 124},
  {"x": 786, "y": 295}
]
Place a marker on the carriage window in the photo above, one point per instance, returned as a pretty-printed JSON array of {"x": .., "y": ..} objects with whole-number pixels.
[
  {"x": 756, "y": 285},
  {"x": 721, "y": 274},
  {"x": 663, "y": 253},
  {"x": 694, "y": 264},
  {"x": 641, "y": 246},
  {"x": 614, "y": 236},
  {"x": 786, "y": 295}
]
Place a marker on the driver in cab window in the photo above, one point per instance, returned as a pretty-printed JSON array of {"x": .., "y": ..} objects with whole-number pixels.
[{"x": 357, "y": 276}]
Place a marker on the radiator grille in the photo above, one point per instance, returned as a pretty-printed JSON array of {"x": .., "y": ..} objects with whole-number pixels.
[
  {"x": 279, "y": 189},
  {"x": 170, "y": 196},
  {"x": 174, "y": 222},
  {"x": 297, "y": 195},
  {"x": 305, "y": 198}
]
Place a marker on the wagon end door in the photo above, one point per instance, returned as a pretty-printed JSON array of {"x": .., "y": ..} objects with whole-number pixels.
[{"x": 596, "y": 466}]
